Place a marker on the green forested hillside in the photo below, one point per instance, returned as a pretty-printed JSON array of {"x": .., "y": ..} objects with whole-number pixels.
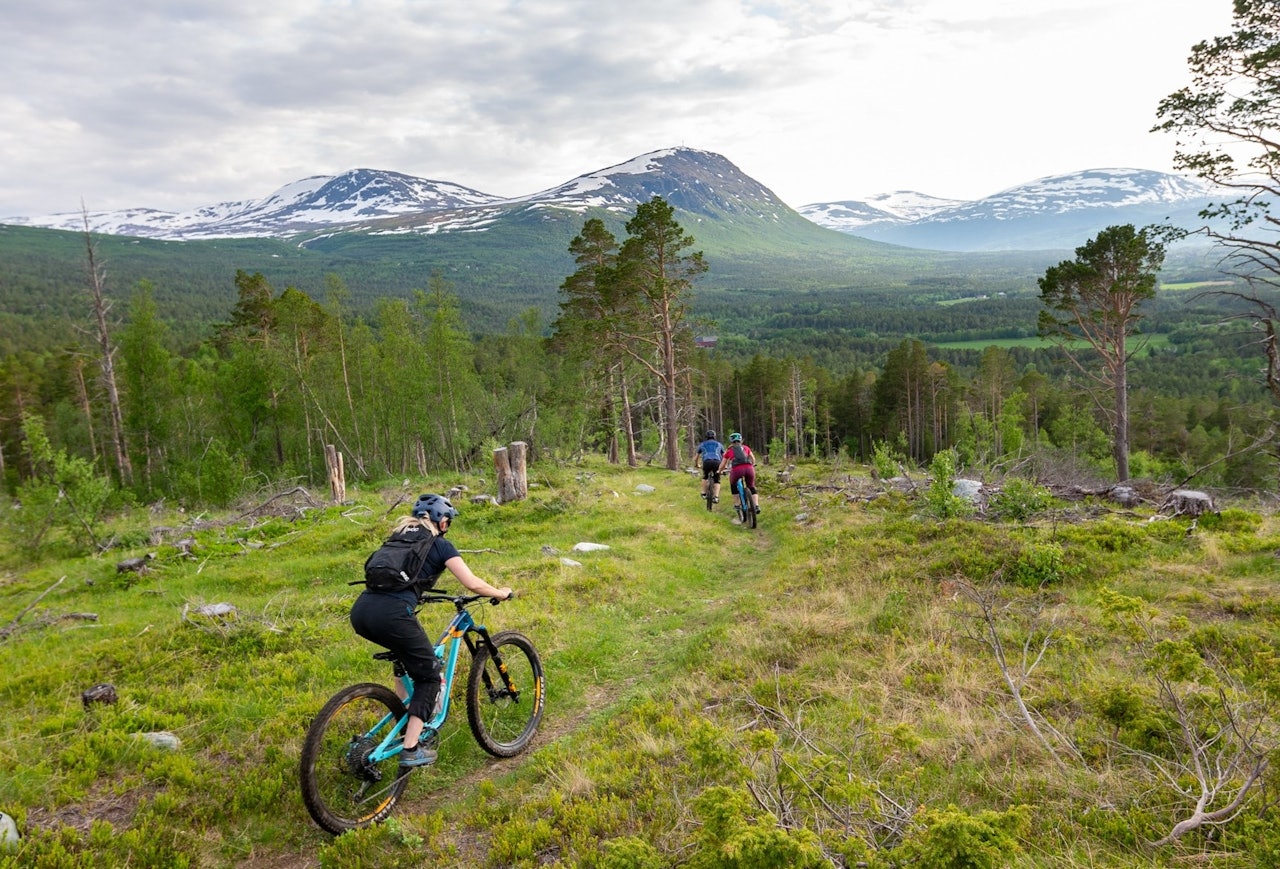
[
  {"x": 858, "y": 682},
  {"x": 517, "y": 264}
]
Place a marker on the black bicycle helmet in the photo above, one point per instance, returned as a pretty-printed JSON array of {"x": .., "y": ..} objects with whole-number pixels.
[
  {"x": 711, "y": 434},
  {"x": 435, "y": 508}
]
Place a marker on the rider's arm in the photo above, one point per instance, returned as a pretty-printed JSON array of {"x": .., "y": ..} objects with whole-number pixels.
[{"x": 473, "y": 583}]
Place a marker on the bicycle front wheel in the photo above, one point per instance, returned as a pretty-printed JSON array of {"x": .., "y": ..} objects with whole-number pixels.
[
  {"x": 505, "y": 696},
  {"x": 342, "y": 786}
]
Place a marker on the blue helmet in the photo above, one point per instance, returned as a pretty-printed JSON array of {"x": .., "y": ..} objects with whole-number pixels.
[{"x": 435, "y": 508}]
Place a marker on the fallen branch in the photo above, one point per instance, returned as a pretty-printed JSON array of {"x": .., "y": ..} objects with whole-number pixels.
[
  {"x": 12, "y": 626},
  {"x": 294, "y": 491}
]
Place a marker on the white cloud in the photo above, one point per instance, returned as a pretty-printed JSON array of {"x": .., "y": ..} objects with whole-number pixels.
[{"x": 175, "y": 105}]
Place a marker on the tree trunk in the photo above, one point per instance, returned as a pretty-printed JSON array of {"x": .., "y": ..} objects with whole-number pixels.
[
  {"x": 107, "y": 362},
  {"x": 628, "y": 426},
  {"x": 1121, "y": 440}
]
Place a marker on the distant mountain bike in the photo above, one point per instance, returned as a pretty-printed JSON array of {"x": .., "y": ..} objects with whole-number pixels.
[
  {"x": 350, "y": 771},
  {"x": 742, "y": 504}
]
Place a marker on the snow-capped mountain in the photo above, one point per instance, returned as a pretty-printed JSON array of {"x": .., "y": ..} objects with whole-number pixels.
[
  {"x": 1052, "y": 212},
  {"x": 318, "y": 202},
  {"x": 699, "y": 182},
  {"x": 902, "y": 206}
]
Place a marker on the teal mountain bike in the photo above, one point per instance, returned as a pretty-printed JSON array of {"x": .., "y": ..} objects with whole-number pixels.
[
  {"x": 350, "y": 772},
  {"x": 742, "y": 504}
]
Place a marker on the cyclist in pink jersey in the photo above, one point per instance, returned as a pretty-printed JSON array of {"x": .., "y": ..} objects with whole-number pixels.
[{"x": 741, "y": 463}]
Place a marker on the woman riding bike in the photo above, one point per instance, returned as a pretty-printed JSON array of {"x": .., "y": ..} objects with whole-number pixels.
[
  {"x": 388, "y": 619},
  {"x": 741, "y": 463}
]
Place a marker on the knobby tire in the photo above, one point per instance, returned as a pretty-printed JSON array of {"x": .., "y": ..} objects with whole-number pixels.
[
  {"x": 502, "y": 722},
  {"x": 745, "y": 511},
  {"x": 341, "y": 788}
]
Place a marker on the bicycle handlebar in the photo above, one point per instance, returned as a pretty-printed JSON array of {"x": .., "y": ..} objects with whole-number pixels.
[{"x": 460, "y": 600}]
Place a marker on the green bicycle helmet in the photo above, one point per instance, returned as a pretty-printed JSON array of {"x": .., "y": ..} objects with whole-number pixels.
[{"x": 735, "y": 438}]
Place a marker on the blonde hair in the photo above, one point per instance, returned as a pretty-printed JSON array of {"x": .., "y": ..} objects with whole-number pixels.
[{"x": 415, "y": 522}]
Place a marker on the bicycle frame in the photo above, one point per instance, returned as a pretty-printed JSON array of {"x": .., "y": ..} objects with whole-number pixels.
[{"x": 459, "y": 631}]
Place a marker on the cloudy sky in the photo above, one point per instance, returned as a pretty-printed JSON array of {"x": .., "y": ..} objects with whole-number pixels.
[{"x": 175, "y": 104}]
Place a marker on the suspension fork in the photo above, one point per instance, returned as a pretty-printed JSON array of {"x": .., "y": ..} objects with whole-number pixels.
[{"x": 485, "y": 640}]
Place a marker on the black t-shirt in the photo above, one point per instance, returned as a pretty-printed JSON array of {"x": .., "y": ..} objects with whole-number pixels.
[{"x": 441, "y": 551}]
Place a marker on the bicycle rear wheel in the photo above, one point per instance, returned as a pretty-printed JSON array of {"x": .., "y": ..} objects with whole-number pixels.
[
  {"x": 505, "y": 697},
  {"x": 744, "y": 505},
  {"x": 343, "y": 788},
  {"x": 710, "y": 496}
]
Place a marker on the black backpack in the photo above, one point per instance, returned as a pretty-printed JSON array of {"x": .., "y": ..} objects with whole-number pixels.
[{"x": 395, "y": 564}]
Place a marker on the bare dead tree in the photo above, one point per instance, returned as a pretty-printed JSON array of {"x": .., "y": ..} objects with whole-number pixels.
[
  {"x": 107, "y": 352},
  {"x": 1225, "y": 748},
  {"x": 1221, "y": 734},
  {"x": 988, "y": 628},
  {"x": 789, "y": 779}
]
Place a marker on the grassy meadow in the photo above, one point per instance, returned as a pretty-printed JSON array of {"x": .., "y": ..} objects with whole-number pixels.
[{"x": 857, "y": 682}]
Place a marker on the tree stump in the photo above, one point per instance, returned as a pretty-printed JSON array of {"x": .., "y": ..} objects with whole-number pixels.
[
  {"x": 1187, "y": 502},
  {"x": 337, "y": 474},
  {"x": 509, "y": 466}
]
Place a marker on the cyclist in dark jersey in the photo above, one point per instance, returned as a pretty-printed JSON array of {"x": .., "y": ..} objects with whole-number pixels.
[
  {"x": 388, "y": 619},
  {"x": 741, "y": 463},
  {"x": 710, "y": 452}
]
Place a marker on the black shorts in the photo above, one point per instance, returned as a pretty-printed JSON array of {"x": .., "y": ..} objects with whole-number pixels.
[{"x": 711, "y": 470}]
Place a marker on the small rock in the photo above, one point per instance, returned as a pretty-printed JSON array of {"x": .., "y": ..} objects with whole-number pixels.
[
  {"x": 569, "y": 562},
  {"x": 550, "y": 550},
  {"x": 161, "y": 739},
  {"x": 645, "y": 489},
  {"x": 9, "y": 837},
  {"x": 589, "y": 547}
]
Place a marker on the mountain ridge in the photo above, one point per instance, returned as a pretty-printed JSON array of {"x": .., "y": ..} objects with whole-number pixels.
[{"x": 1047, "y": 213}]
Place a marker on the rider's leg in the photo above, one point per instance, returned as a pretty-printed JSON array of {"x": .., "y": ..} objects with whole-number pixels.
[
  {"x": 750, "y": 474},
  {"x": 390, "y": 622}
]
